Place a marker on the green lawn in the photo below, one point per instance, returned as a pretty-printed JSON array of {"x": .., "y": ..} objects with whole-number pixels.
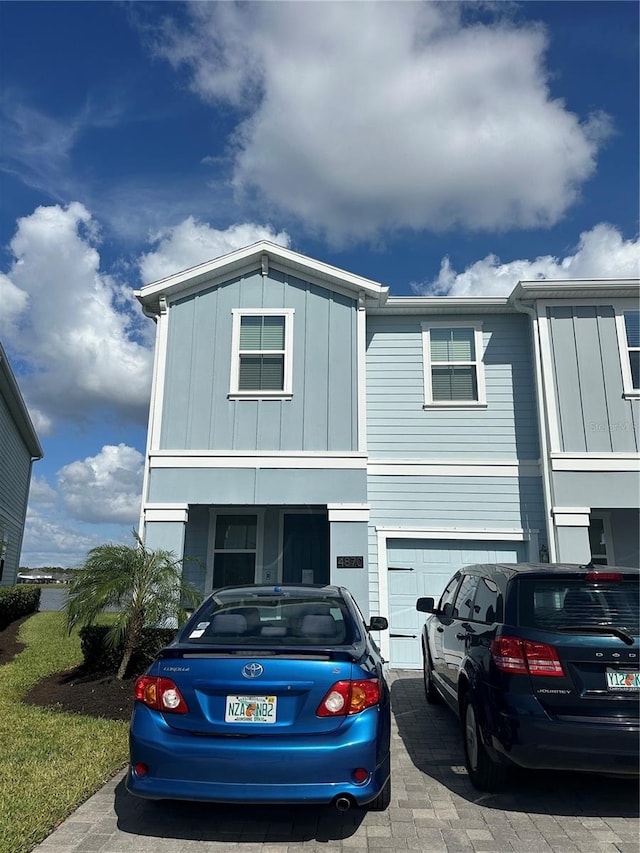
[{"x": 50, "y": 761}]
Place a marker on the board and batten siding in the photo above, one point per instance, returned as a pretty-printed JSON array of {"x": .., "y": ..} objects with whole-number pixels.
[
  {"x": 322, "y": 414},
  {"x": 398, "y": 425},
  {"x": 592, "y": 415},
  {"x": 15, "y": 475}
]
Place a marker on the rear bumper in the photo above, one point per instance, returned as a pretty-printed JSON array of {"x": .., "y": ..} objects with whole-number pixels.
[
  {"x": 270, "y": 769},
  {"x": 551, "y": 744}
]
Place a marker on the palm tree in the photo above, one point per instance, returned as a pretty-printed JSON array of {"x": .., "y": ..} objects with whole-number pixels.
[{"x": 145, "y": 588}]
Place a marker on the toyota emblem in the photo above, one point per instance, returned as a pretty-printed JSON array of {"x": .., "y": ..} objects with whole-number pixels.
[{"x": 252, "y": 670}]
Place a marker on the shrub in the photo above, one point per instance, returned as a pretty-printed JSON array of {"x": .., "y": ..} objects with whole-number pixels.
[
  {"x": 100, "y": 655},
  {"x": 17, "y": 601}
]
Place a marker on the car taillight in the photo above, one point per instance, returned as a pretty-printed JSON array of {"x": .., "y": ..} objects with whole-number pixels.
[
  {"x": 349, "y": 697},
  {"x": 524, "y": 657},
  {"x": 596, "y": 577},
  {"x": 161, "y": 694}
]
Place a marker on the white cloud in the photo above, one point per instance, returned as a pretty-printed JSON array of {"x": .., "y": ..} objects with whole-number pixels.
[
  {"x": 600, "y": 253},
  {"x": 41, "y": 494},
  {"x": 73, "y": 327},
  {"x": 51, "y": 542},
  {"x": 361, "y": 117},
  {"x": 192, "y": 242},
  {"x": 104, "y": 488}
]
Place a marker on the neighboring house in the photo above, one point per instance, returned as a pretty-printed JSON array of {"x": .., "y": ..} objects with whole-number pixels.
[
  {"x": 306, "y": 426},
  {"x": 19, "y": 447}
]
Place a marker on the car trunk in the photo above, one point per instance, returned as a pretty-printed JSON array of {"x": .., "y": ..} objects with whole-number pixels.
[{"x": 235, "y": 694}]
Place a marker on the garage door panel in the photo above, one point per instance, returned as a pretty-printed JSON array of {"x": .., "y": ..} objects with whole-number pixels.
[{"x": 421, "y": 567}]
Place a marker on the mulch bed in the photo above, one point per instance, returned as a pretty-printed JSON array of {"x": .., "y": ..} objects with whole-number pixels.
[{"x": 75, "y": 691}]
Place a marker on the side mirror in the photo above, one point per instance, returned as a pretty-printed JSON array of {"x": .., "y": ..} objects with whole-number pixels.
[
  {"x": 426, "y": 605},
  {"x": 378, "y": 623}
]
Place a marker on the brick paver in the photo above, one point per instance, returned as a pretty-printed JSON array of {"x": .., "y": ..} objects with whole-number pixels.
[{"x": 434, "y": 808}]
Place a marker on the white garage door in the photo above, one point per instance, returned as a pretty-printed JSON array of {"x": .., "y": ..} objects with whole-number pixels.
[{"x": 419, "y": 567}]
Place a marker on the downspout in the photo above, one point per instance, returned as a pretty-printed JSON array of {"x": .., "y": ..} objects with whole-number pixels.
[{"x": 542, "y": 426}]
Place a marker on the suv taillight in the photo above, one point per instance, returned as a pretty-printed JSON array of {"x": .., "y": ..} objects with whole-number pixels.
[
  {"x": 596, "y": 577},
  {"x": 349, "y": 697},
  {"x": 524, "y": 657},
  {"x": 161, "y": 694}
]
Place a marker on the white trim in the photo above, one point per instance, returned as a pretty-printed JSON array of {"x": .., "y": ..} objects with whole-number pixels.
[
  {"x": 453, "y": 468},
  {"x": 177, "y": 513},
  {"x": 257, "y": 460},
  {"x": 571, "y": 516},
  {"x": 361, "y": 373},
  {"x": 482, "y": 534},
  {"x": 548, "y": 379},
  {"x": 383, "y": 534},
  {"x": 628, "y": 392},
  {"x": 286, "y": 391},
  {"x": 595, "y": 462},
  {"x": 348, "y": 512},
  {"x": 477, "y": 363}
]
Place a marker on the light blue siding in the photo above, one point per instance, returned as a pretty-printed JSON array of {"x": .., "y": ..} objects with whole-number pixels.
[
  {"x": 399, "y": 426},
  {"x": 322, "y": 414},
  {"x": 240, "y": 486},
  {"x": 593, "y": 416}
]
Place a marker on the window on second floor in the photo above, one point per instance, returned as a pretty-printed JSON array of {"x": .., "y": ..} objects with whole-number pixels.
[
  {"x": 261, "y": 353},
  {"x": 453, "y": 368},
  {"x": 629, "y": 342}
]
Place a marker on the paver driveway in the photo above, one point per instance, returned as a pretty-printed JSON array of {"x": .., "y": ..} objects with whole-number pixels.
[{"x": 434, "y": 808}]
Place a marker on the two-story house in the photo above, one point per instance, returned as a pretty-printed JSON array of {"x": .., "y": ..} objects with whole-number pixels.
[
  {"x": 305, "y": 426},
  {"x": 19, "y": 447}
]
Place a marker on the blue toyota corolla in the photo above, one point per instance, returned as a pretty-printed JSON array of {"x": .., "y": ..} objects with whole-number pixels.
[{"x": 267, "y": 695}]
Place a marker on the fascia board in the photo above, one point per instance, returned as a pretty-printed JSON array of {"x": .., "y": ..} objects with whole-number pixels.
[
  {"x": 443, "y": 305},
  {"x": 530, "y": 291}
]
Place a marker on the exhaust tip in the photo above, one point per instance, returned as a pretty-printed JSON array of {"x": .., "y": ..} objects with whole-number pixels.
[{"x": 343, "y": 803}]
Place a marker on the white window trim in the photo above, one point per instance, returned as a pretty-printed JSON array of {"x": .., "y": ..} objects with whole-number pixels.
[
  {"x": 628, "y": 391},
  {"x": 287, "y": 390},
  {"x": 214, "y": 514},
  {"x": 476, "y": 325}
]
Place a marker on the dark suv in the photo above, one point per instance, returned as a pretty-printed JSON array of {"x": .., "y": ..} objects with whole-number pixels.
[{"x": 540, "y": 662}]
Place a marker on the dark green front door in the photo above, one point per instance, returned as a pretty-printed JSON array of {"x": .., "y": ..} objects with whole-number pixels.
[{"x": 306, "y": 548}]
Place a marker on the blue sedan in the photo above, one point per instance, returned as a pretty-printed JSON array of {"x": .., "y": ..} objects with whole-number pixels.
[{"x": 267, "y": 695}]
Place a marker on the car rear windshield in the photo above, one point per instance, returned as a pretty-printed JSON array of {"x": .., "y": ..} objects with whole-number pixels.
[
  {"x": 268, "y": 620},
  {"x": 560, "y": 603}
]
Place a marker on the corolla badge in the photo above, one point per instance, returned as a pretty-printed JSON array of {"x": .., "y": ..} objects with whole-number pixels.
[{"x": 252, "y": 670}]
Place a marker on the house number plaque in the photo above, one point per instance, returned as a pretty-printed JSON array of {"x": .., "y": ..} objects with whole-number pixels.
[{"x": 350, "y": 562}]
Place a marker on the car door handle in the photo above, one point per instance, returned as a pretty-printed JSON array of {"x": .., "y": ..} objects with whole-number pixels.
[
  {"x": 440, "y": 629},
  {"x": 406, "y": 636},
  {"x": 461, "y": 636}
]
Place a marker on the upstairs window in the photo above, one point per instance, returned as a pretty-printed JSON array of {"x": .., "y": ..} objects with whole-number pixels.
[
  {"x": 453, "y": 369},
  {"x": 261, "y": 344},
  {"x": 629, "y": 341}
]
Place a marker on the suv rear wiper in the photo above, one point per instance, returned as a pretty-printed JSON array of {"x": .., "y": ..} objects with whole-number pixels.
[{"x": 598, "y": 629}]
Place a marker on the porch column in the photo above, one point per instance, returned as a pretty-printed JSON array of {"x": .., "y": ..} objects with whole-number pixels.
[
  {"x": 348, "y": 534},
  {"x": 164, "y": 528},
  {"x": 571, "y": 526}
]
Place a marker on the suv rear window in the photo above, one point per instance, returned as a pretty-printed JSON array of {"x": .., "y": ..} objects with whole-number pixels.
[
  {"x": 267, "y": 620},
  {"x": 551, "y": 603}
]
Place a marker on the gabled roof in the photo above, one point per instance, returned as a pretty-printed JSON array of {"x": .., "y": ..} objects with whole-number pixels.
[
  {"x": 261, "y": 255},
  {"x": 10, "y": 392}
]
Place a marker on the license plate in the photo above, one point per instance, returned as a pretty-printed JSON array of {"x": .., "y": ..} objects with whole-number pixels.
[
  {"x": 618, "y": 679},
  {"x": 250, "y": 709}
]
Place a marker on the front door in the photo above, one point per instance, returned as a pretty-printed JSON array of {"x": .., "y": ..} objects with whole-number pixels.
[{"x": 305, "y": 557}]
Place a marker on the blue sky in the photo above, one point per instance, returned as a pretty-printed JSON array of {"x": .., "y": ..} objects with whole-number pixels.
[{"x": 434, "y": 147}]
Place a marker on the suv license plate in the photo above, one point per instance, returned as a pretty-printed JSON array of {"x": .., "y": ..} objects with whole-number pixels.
[
  {"x": 618, "y": 679},
  {"x": 250, "y": 709}
]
